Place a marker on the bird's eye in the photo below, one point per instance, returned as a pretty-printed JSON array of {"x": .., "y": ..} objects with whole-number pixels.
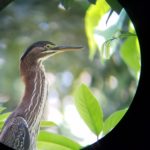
[{"x": 48, "y": 46}]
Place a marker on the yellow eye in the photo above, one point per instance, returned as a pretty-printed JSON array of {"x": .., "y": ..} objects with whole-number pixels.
[{"x": 48, "y": 46}]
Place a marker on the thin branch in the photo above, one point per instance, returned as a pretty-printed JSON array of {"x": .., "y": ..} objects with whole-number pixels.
[
  {"x": 110, "y": 13},
  {"x": 4, "y": 3}
]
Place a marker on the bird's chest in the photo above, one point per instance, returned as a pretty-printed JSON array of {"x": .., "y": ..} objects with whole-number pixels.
[
  {"x": 35, "y": 124},
  {"x": 40, "y": 108}
]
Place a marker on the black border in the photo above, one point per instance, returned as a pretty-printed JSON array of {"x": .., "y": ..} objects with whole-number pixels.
[
  {"x": 4, "y": 147},
  {"x": 133, "y": 130}
]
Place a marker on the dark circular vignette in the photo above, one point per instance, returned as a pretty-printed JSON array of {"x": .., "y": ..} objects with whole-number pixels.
[
  {"x": 4, "y": 147},
  {"x": 132, "y": 131}
]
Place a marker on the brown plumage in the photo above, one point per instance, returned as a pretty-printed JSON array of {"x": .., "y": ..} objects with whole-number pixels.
[{"x": 21, "y": 128}]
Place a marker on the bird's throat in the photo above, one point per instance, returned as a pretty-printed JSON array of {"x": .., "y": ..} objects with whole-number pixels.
[{"x": 34, "y": 99}]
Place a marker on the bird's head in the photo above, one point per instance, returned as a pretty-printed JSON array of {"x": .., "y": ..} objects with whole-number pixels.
[{"x": 44, "y": 49}]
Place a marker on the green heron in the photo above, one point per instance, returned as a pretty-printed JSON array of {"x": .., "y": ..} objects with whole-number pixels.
[{"x": 21, "y": 128}]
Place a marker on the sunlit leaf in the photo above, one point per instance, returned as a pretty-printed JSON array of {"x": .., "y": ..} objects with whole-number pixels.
[
  {"x": 4, "y": 116},
  {"x": 47, "y": 124},
  {"x": 50, "y": 146},
  {"x": 130, "y": 53},
  {"x": 89, "y": 109},
  {"x": 92, "y": 17},
  {"x": 113, "y": 120},
  {"x": 58, "y": 139}
]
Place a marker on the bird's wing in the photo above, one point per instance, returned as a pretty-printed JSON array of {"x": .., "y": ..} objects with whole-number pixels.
[{"x": 15, "y": 134}]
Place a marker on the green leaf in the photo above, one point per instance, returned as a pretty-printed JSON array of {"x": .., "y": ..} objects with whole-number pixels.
[
  {"x": 2, "y": 108},
  {"x": 58, "y": 139},
  {"x": 50, "y": 146},
  {"x": 92, "y": 1},
  {"x": 115, "y": 5},
  {"x": 113, "y": 120},
  {"x": 1, "y": 124},
  {"x": 130, "y": 53},
  {"x": 89, "y": 109},
  {"x": 92, "y": 17},
  {"x": 4, "y": 116},
  {"x": 47, "y": 124},
  {"x": 66, "y": 3}
]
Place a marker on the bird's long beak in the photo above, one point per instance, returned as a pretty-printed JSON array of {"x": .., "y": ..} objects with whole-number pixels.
[
  {"x": 59, "y": 49},
  {"x": 66, "y": 48}
]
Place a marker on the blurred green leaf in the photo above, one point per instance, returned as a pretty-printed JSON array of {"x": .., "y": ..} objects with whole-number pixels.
[
  {"x": 66, "y": 3},
  {"x": 1, "y": 124},
  {"x": 47, "y": 124},
  {"x": 58, "y": 139},
  {"x": 92, "y": 17},
  {"x": 89, "y": 109},
  {"x": 92, "y": 1},
  {"x": 115, "y": 5},
  {"x": 130, "y": 53},
  {"x": 113, "y": 120},
  {"x": 4, "y": 116},
  {"x": 50, "y": 146},
  {"x": 2, "y": 108}
]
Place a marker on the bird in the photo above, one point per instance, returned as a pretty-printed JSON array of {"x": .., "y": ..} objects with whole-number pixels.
[{"x": 21, "y": 128}]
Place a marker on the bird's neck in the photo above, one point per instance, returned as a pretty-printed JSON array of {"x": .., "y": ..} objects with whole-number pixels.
[{"x": 35, "y": 95}]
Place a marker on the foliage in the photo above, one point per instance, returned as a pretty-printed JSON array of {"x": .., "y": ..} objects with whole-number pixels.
[
  {"x": 91, "y": 112},
  {"x": 113, "y": 120},
  {"x": 93, "y": 15},
  {"x": 114, "y": 4},
  {"x": 57, "y": 139},
  {"x": 2, "y": 108},
  {"x": 48, "y": 146},
  {"x": 45, "y": 124},
  {"x": 89, "y": 109},
  {"x": 3, "y": 117},
  {"x": 92, "y": 1},
  {"x": 108, "y": 40},
  {"x": 66, "y": 3},
  {"x": 130, "y": 53}
]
